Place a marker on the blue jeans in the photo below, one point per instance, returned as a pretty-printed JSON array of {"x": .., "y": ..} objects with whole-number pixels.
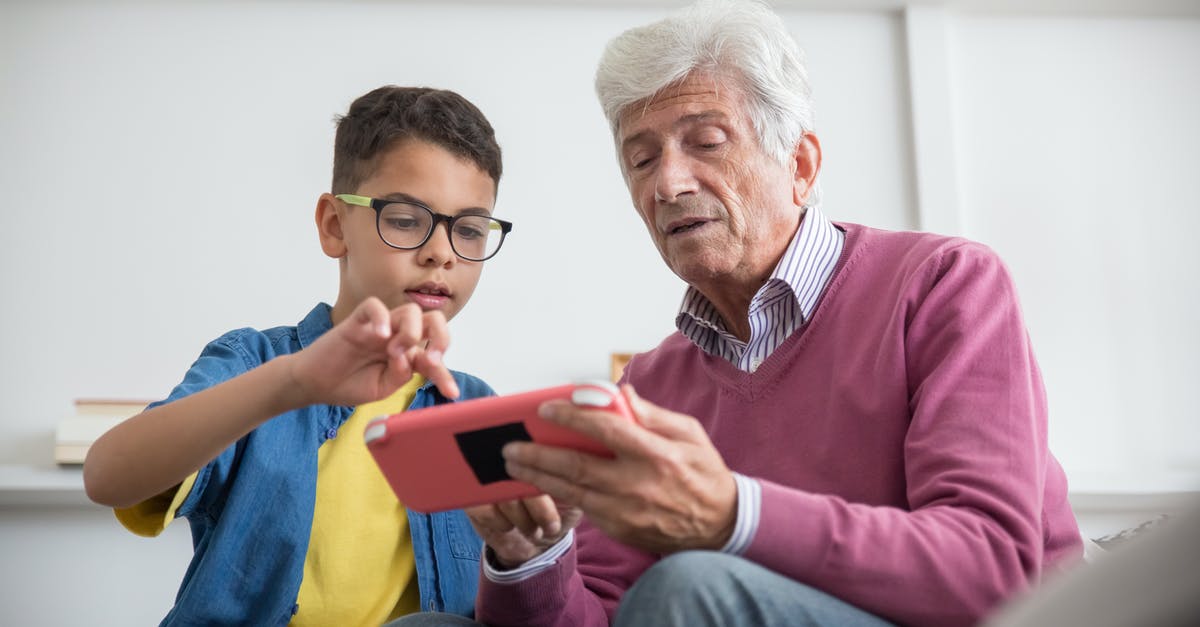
[
  {"x": 433, "y": 619},
  {"x": 704, "y": 588},
  {"x": 709, "y": 588}
]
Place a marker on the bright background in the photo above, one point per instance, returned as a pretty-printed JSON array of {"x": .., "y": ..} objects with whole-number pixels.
[{"x": 161, "y": 163}]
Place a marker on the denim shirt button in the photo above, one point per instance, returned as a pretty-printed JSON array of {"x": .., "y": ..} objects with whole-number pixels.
[{"x": 331, "y": 433}]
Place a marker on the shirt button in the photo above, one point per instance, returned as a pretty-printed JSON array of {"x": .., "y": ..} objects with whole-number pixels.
[
  {"x": 331, "y": 433},
  {"x": 755, "y": 363}
]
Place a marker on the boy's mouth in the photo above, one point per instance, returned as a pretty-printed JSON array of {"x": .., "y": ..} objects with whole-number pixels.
[{"x": 429, "y": 296}]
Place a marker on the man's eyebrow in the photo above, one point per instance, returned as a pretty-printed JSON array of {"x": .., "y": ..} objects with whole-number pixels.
[
  {"x": 691, "y": 118},
  {"x": 703, "y": 116},
  {"x": 409, "y": 198}
]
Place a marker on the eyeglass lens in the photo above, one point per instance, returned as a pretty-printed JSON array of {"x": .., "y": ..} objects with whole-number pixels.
[{"x": 473, "y": 237}]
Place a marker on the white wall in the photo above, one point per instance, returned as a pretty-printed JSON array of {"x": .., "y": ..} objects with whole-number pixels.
[
  {"x": 1079, "y": 148},
  {"x": 78, "y": 566},
  {"x": 161, "y": 163}
]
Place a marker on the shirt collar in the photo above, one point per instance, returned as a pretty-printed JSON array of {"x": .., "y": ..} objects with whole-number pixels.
[
  {"x": 803, "y": 270},
  {"x": 315, "y": 324}
]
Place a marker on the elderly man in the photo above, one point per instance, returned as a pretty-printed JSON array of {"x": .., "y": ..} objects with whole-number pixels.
[{"x": 848, "y": 428}]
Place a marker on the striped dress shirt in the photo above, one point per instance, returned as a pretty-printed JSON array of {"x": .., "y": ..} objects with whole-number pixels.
[
  {"x": 781, "y": 305},
  {"x": 784, "y": 303}
]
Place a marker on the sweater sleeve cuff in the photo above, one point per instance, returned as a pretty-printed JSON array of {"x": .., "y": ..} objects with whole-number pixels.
[
  {"x": 794, "y": 529},
  {"x": 530, "y": 568},
  {"x": 749, "y": 511}
]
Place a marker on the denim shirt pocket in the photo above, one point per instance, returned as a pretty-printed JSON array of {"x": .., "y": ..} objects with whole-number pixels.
[{"x": 464, "y": 543}]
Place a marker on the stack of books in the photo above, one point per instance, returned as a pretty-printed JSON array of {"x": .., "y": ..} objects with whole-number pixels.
[
  {"x": 93, "y": 416},
  {"x": 616, "y": 366}
]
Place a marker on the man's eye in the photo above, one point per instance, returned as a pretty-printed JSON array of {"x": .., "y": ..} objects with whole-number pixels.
[{"x": 708, "y": 139}]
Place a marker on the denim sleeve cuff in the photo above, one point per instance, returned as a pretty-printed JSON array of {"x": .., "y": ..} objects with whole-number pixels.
[
  {"x": 530, "y": 568},
  {"x": 749, "y": 510}
]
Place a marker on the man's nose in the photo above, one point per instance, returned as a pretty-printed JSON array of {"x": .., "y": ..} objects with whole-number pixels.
[{"x": 675, "y": 177}]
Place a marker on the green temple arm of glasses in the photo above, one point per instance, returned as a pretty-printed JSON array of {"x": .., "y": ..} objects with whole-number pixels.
[{"x": 361, "y": 201}]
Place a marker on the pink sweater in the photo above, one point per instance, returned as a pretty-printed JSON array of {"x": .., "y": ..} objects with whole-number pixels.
[{"x": 899, "y": 438}]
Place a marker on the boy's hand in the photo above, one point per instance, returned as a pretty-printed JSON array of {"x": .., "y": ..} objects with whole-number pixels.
[
  {"x": 520, "y": 530},
  {"x": 373, "y": 352}
]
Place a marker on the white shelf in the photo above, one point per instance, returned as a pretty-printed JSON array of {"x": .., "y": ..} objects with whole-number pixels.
[
  {"x": 41, "y": 485},
  {"x": 1108, "y": 492},
  {"x": 24, "y": 485},
  {"x": 1132, "y": 502}
]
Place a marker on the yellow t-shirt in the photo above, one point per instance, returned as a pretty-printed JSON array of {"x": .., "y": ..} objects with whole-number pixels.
[{"x": 360, "y": 568}]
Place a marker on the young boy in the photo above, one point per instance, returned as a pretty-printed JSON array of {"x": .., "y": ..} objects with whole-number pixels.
[{"x": 261, "y": 446}]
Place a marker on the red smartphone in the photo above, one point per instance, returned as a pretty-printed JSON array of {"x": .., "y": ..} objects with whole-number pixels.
[{"x": 448, "y": 456}]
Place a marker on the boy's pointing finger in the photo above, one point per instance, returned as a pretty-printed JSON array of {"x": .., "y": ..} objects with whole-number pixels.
[
  {"x": 429, "y": 363},
  {"x": 436, "y": 331}
]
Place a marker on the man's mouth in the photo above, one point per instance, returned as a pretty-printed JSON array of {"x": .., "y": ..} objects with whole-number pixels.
[{"x": 684, "y": 227}]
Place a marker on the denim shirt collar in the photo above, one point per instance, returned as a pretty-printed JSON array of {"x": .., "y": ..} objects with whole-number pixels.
[{"x": 314, "y": 325}]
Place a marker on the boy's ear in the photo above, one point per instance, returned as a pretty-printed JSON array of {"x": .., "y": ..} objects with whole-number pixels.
[{"x": 329, "y": 226}]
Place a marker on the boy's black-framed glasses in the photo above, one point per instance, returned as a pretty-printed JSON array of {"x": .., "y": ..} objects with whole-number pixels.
[{"x": 407, "y": 225}]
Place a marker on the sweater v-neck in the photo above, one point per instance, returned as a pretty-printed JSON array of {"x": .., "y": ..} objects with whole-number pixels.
[{"x": 751, "y": 384}]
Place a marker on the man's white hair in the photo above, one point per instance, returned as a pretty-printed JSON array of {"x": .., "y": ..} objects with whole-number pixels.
[{"x": 741, "y": 39}]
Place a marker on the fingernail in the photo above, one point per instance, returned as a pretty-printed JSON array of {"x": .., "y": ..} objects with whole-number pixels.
[{"x": 435, "y": 356}]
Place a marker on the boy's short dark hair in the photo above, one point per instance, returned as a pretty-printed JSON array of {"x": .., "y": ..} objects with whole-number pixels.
[{"x": 381, "y": 117}]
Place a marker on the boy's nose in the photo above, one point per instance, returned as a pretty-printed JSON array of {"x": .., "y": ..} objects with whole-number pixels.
[{"x": 437, "y": 249}]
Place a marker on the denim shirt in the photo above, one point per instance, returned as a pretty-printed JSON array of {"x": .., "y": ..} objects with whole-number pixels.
[{"x": 251, "y": 508}]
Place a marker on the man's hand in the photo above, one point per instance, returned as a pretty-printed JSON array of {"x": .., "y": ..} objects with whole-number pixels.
[
  {"x": 520, "y": 530},
  {"x": 667, "y": 490},
  {"x": 372, "y": 353}
]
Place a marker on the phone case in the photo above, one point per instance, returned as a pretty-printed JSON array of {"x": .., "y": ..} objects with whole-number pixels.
[{"x": 448, "y": 456}]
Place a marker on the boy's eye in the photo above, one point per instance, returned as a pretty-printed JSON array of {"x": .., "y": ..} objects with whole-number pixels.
[
  {"x": 471, "y": 228},
  {"x": 404, "y": 218},
  {"x": 401, "y": 222}
]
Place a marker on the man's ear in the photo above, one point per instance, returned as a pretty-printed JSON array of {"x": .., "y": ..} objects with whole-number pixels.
[
  {"x": 329, "y": 226},
  {"x": 808, "y": 162}
]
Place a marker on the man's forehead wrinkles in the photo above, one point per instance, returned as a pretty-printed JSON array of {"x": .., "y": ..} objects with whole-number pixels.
[
  {"x": 715, "y": 114},
  {"x": 696, "y": 93}
]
